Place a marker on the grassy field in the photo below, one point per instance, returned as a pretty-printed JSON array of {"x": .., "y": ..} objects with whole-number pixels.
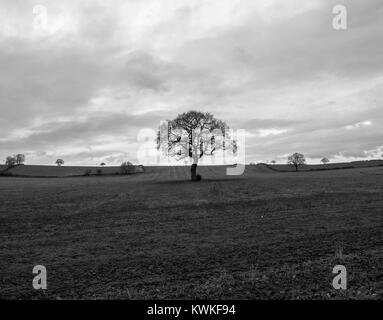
[{"x": 263, "y": 235}]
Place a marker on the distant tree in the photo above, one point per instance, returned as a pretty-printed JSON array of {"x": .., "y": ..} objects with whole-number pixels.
[
  {"x": 193, "y": 135},
  {"x": 59, "y": 162},
  {"x": 102, "y": 164},
  {"x": 325, "y": 160},
  {"x": 10, "y": 161},
  {"x": 273, "y": 162},
  {"x": 127, "y": 167},
  {"x": 296, "y": 160},
  {"x": 19, "y": 158},
  {"x": 252, "y": 163}
]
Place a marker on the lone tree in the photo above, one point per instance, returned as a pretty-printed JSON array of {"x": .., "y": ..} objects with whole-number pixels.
[
  {"x": 19, "y": 158},
  {"x": 59, "y": 162},
  {"x": 102, "y": 164},
  {"x": 193, "y": 135},
  {"x": 296, "y": 160},
  {"x": 325, "y": 160}
]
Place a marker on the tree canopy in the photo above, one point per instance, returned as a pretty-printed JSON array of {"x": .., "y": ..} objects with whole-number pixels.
[
  {"x": 59, "y": 162},
  {"x": 325, "y": 160},
  {"x": 296, "y": 160},
  {"x": 194, "y": 135}
]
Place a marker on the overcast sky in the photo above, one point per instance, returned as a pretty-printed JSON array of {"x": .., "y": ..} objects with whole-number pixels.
[{"x": 83, "y": 86}]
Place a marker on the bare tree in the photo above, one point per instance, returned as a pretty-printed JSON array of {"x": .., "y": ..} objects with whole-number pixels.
[
  {"x": 193, "y": 135},
  {"x": 296, "y": 160},
  {"x": 325, "y": 160},
  {"x": 59, "y": 162},
  {"x": 19, "y": 158}
]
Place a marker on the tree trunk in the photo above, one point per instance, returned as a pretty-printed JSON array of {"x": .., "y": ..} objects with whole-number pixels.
[
  {"x": 296, "y": 168},
  {"x": 193, "y": 171}
]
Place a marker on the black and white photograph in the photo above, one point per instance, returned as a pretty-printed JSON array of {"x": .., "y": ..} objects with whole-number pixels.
[{"x": 191, "y": 150}]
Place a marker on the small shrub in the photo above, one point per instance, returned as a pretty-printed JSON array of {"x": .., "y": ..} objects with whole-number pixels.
[
  {"x": 10, "y": 161},
  {"x": 127, "y": 168},
  {"x": 87, "y": 172},
  {"x": 99, "y": 172},
  {"x": 199, "y": 177}
]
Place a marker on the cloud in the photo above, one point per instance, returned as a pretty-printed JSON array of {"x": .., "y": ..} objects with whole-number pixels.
[
  {"x": 101, "y": 71},
  {"x": 359, "y": 125}
]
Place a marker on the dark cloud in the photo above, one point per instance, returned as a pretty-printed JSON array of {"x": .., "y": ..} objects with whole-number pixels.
[{"x": 86, "y": 132}]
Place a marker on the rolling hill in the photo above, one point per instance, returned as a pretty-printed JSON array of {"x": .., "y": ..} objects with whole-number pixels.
[{"x": 178, "y": 172}]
